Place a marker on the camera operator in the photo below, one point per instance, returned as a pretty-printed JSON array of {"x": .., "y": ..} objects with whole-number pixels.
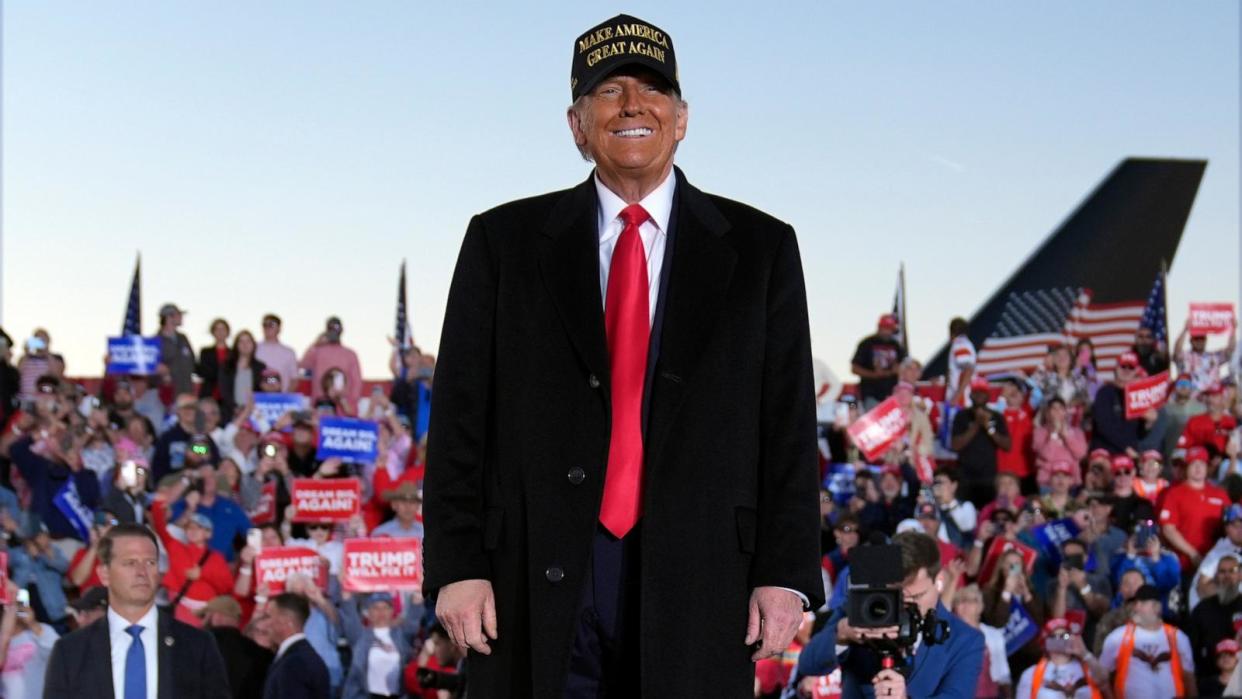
[{"x": 947, "y": 668}]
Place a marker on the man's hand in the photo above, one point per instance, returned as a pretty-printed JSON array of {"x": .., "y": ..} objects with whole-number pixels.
[
  {"x": 889, "y": 684},
  {"x": 775, "y": 615},
  {"x": 467, "y": 608},
  {"x": 847, "y": 634}
]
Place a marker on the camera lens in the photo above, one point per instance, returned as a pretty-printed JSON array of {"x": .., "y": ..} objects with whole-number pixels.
[{"x": 877, "y": 609}]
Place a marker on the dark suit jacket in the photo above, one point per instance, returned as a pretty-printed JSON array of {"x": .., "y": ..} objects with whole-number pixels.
[
  {"x": 948, "y": 670},
  {"x": 520, "y": 427},
  {"x": 190, "y": 664},
  {"x": 245, "y": 660},
  {"x": 298, "y": 674},
  {"x": 208, "y": 369},
  {"x": 228, "y": 396}
]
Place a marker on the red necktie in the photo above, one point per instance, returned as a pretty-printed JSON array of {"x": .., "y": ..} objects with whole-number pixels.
[{"x": 627, "y": 320}]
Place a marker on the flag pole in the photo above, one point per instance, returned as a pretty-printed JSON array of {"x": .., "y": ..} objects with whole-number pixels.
[
  {"x": 901, "y": 282},
  {"x": 1164, "y": 284}
]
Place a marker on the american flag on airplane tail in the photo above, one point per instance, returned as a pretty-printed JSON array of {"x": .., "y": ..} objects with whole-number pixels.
[
  {"x": 1033, "y": 320},
  {"x": 132, "y": 325}
]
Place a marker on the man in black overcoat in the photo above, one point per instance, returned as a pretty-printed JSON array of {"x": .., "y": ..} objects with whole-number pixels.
[{"x": 621, "y": 492}]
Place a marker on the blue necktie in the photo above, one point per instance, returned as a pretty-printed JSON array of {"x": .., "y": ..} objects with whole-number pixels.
[{"x": 135, "y": 666}]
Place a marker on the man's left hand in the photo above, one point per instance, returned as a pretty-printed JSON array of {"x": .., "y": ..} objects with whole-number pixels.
[
  {"x": 775, "y": 615},
  {"x": 890, "y": 684}
]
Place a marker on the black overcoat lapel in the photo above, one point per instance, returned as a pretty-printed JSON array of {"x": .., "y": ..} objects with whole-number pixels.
[
  {"x": 698, "y": 283},
  {"x": 164, "y": 650},
  {"x": 569, "y": 264}
]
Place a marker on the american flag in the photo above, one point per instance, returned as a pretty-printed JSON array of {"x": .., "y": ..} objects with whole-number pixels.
[
  {"x": 1032, "y": 320},
  {"x": 402, "y": 334},
  {"x": 899, "y": 308},
  {"x": 132, "y": 325},
  {"x": 1155, "y": 316}
]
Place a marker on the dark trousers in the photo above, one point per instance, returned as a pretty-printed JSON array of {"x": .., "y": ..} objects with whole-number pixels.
[{"x": 604, "y": 659}]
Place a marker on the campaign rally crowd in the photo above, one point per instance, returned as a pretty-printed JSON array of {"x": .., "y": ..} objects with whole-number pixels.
[
  {"x": 186, "y": 449},
  {"x": 1098, "y": 554}
]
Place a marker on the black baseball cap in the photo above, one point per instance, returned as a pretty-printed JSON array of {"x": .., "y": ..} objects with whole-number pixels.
[
  {"x": 617, "y": 42},
  {"x": 1147, "y": 592}
]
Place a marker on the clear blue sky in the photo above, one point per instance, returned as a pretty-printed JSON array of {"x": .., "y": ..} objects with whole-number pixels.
[{"x": 287, "y": 155}]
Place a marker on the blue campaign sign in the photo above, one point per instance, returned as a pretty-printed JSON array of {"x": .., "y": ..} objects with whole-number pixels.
[
  {"x": 348, "y": 438},
  {"x": 270, "y": 407},
  {"x": 1050, "y": 536},
  {"x": 70, "y": 505},
  {"x": 133, "y": 354},
  {"x": 1019, "y": 628}
]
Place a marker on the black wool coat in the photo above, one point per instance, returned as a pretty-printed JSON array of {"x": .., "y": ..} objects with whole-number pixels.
[{"x": 520, "y": 426}]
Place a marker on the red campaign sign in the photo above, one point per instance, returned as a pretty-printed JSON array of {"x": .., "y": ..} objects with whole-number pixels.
[
  {"x": 371, "y": 565},
  {"x": 876, "y": 431},
  {"x": 319, "y": 500},
  {"x": 273, "y": 567},
  {"x": 265, "y": 511},
  {"x": 1146, "y": 394},
  {"x": 1211, "y": 318},
  {"x": 999, "y": 547}
]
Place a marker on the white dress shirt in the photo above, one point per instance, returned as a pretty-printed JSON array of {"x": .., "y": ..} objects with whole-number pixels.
[
  {"x": 121, "y": 641},
  {"x": 654, "y": 233},
  {"x": 284, "y": 645}
]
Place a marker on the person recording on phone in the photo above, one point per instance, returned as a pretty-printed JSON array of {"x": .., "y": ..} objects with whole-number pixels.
[
  {"x": 1144, "y": 553},
  {"x": 127, "y": 500},
  {"x": 25, "y": 645},
  {"x": 1067, "y": 670},
  {"x": 943, "y": 659}
]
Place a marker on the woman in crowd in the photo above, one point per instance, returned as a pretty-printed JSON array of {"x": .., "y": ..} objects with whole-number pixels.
[
  {"x": 1054, "y": 440},
  {"x": 1059, "y": 379},
  {"x": 241, "y": 375},
  {"x": 211, "y": 360},
  {"x": 994, "y": 679},
  {"x": 1008, "y": 596},
  {"x": 381, "y": 648}
]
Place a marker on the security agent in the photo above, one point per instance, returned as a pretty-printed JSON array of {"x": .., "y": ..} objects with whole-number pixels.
[{"x": 947, "y": 668}]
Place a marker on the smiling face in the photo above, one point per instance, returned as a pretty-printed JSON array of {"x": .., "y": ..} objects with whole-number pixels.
[{"x": 630, "y": 126}]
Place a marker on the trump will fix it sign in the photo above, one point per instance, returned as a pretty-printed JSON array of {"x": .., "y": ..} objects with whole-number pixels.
[{"x": 371, "y": 565}]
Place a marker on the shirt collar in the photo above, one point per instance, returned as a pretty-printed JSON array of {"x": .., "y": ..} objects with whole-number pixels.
[
  {"x": 659, "y": 204},
  {"x": 117, "y": 623},
  {"x": 284, "y": 645}
]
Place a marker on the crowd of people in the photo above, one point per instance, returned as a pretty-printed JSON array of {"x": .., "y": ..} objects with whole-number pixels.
[
  {"x": 180, "y": 453},
  {"x": 1098, "y": 554}
]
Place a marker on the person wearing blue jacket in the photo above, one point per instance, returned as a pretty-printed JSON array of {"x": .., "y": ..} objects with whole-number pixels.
[
  {"x": 943, "y": 670},
  {"x": 381, "y": 649},
  {"x": 1159, "y": 567},
  {"x": 49, "y": 469}
]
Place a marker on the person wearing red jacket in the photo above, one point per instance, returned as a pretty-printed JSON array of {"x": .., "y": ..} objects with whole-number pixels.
[
  {"x": 1210, "y": 429},
  {"x": 196, "y": 574}
]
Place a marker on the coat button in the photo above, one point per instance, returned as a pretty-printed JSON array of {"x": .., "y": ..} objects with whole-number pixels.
[
  {"x": 593, "y": 381},
  {"x": 576, "y": 475},
  {"x": 554, "y": 574}
]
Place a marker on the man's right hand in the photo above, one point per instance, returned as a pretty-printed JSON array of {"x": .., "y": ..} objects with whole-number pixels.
[
  {"x": 467, "y": 608},
  {"x": 847, "y": 634}
]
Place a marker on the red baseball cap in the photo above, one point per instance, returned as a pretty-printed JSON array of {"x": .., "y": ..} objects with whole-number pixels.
[
  {"x": 1059, "y": 626},
  {"x": 1063, "y": 467},
  {"x": 1194, "y": 454},
  {"x": 1151, "y": 454},
  {"x": 1099, "y": 455},
  {"x": 1227, "y": 646},
  {"x": 1128, "y": 359},
  {"x": 891, "y": 470},
  {"x": 1213, "y": 389},
  {"x": 888, "y": 321},
  {"x": 1122, "y": 462},
  {"x": 979, "y": 383}
]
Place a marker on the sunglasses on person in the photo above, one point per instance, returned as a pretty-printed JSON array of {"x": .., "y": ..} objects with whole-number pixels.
[
  {"x": 1126, "y": 472},
  {"x": 318, "y": 525}
]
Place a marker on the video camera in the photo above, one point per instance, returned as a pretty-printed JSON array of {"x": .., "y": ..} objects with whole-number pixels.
[{"x": 875, "y": 601}]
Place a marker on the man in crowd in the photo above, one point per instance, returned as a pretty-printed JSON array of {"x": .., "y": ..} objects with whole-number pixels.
[
  {"x": 978, "y": 432},
  {"x": 1212, "y": 428},
  {"x": 1066, "y": 669},
  {"x": 1152, "y": 358},
  {"x": 1074, "y": 589},
  {"x": 176, "y": 355},
  {"x": 136, "y": 651},
  {"x": 1180, "y": 408},
  {"x": 1217, "y": 616},
  {"x": 276, "y": 355},
  {"x": 1192, "y": 510},
  {"x": 1123, "y": 607},
  {"x": 406, "y": 502},
  {"x": 175, "y": 448},
  {"x": 631, "y": 260},
  {"x": 1203, "y": 584},
  {"x": 1128, "y": 507},
  {"x": 1149, "y": 659},
  {"x": 875, "y": 362},
  {"x": 229, "y": 521},
  {"x": 1020, "y": 425},
  {"x": 411, "y": 389},
  {"x": 297, "y": 672},
  {"x": 1103, "y": 536},
  {"x": 245, "y": 660},
  {"x": 950, "y": 668},
  {"x": 961, "y": 364},
  {"x": 1112, "y": 430},
  {"x": 1200, "y": 365},
  {"x": 327, "y": 354},
  {"x": 960, "y": 518}
]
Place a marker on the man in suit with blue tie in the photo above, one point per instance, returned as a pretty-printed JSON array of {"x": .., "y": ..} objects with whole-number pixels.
[
  {"x": 135, "y": 651},
  {"x": 943, "y": 670},
  {"x": 297, "y": 672}
]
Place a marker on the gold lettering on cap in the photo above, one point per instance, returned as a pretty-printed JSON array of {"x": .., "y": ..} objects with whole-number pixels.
[
  {"x": 605, "y": 51},
  {"x": 595, "y": 37},
  {"x": 642, "y": 31},
  {"x": 647, "y": 50}
]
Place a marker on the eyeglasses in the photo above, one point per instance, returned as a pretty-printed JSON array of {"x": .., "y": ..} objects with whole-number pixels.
[
  {"x": 1126, "y": 472},
  {"x": 318, "y": 525}
]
